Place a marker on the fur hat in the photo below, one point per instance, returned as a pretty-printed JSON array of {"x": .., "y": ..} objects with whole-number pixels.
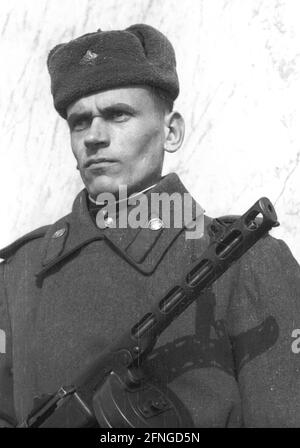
[{"x": 138, "y": 55}]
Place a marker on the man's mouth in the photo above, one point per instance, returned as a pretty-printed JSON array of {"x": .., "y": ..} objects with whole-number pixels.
[{"x": 99, "y": 162}]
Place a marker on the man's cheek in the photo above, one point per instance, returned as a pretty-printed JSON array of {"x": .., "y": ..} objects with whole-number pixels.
[
  {"x": 77, "y": 145},
  {"x": 139, "y": 140}
]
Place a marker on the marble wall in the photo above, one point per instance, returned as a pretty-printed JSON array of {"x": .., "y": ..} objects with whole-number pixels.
[{"x": 239, "y": 66}]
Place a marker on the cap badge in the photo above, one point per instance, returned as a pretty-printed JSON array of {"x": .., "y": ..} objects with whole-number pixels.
[{"x": 89, "y": 58}]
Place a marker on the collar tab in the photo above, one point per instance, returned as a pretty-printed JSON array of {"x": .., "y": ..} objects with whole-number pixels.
[{"x": 55, "y": 243}]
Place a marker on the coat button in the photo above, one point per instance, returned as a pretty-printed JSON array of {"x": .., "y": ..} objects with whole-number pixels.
[
  {"x": 155, "y": 224},
  {"x": 59, "y": 233}
]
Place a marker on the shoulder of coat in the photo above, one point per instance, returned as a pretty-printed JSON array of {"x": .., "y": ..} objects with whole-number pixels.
[{"x": 11, "y": 249}]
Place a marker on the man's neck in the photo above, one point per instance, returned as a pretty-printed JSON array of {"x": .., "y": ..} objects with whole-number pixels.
[{"x": 123, "y": 199}]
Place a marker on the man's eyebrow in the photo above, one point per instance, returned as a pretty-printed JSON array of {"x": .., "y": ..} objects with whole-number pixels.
[
  {"x": 101, "y": 111},
  {"x": 117, "y": 106}
]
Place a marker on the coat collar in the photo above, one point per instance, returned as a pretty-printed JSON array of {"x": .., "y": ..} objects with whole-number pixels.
[{"x": 143, "y": 248}]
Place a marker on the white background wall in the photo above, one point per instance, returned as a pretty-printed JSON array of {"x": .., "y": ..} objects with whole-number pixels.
[{"x": 239, "y": 67}]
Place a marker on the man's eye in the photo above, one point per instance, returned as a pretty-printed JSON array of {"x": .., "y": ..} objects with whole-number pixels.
[
  {"x": 120, "y": 115},
  {"x": 80, "y": 124}
]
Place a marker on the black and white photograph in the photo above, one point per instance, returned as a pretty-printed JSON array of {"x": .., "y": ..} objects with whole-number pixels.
[{"x": 150, "y": 216}]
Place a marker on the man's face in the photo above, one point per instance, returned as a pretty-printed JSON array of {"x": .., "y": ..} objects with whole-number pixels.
[{"x": 117, "y": 137}]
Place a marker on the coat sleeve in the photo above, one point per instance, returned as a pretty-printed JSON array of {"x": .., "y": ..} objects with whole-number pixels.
[
  {"x": 264, "y": 321},
  {"x": 7, "y": 415}
]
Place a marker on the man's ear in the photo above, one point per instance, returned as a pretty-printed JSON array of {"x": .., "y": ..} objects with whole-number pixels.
[{"x": 175, "y": 128}]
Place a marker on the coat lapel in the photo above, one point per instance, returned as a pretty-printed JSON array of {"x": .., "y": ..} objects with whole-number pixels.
[{"x": 142, "y": 247}]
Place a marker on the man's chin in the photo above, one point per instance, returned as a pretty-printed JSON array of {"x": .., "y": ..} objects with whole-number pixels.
[{"x": 103, "y": 186}]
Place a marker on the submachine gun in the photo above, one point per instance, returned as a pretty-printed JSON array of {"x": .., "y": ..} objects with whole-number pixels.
[{"x": 114, "y": 392}]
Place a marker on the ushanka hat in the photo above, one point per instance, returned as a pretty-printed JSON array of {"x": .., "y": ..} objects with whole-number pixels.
[{"x": 138, "y": 55}]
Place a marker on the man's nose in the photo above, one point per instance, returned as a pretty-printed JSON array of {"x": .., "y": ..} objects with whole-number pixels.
[{"x": 97, "y": 135}]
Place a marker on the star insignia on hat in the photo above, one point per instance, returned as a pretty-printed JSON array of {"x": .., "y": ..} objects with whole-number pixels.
[{"x": 89, "y": 58}]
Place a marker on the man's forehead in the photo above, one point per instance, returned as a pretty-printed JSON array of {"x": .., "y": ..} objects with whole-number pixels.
[{"x": 136, "y": 96}]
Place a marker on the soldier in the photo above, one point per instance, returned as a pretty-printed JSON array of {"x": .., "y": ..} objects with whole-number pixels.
[{"x": 69, "y": 289}]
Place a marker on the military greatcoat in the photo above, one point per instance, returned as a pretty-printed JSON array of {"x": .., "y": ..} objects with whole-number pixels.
[{"x": 69, "y": 289}]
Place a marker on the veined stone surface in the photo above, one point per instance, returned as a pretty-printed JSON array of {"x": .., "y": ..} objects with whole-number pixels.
[{"x": 239, "y": 69}]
